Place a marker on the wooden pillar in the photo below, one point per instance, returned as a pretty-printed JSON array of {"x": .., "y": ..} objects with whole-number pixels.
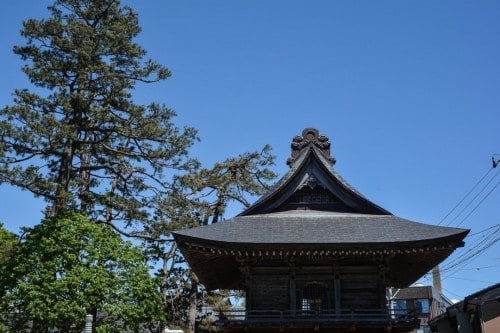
[
  {"x": 246, "y": 272},
  {"x": 292, "y": 289},
  {"x": 382, "y": 286},
  {"x": 337, "y": 288}
]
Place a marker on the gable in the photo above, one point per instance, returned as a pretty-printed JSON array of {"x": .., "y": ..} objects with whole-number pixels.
[
  {"x": 313, "y": 184},
  {"x": 314, "y": 198}
]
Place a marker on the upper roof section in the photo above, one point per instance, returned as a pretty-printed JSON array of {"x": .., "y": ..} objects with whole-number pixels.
[{"x": 312, "y": 183}]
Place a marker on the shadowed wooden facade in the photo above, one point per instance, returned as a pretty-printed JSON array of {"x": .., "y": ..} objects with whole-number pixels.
[{"x": 313, "y": 254}]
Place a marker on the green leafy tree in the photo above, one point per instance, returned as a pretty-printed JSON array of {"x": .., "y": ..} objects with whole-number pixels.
[
  {"x": 68, "y": 267},
  {"x": 79, "y": 140},
  {"x": 8, "y": 241}
]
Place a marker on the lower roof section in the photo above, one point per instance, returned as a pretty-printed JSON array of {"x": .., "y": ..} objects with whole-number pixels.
[
  {"x": 406, "y": 249},
  {"x": 319, "y": 227}
]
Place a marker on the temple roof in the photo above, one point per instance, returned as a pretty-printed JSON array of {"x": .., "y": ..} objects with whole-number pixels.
[
  {"x": 311, "y": 168},
  {"x": 320, "y": 227},
  {"x": 313, "y": 214}
]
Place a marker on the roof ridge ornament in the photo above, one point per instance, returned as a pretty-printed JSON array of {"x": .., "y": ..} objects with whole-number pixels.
[{"x": 310, "y": 138}]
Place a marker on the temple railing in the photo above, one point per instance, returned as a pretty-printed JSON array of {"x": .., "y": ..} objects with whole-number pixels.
[{"x": 242, "y": 317}]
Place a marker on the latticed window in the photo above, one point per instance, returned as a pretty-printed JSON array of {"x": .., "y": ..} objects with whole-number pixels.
[
  {"x": 317, "y": 195},
  {"x": 314, "y": 297}
]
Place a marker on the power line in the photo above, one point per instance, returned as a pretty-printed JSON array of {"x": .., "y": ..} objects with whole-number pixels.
[
  {"x": 479, "y": 268},
  {"x": 479, "y": 203},
  {"x": 484, "y": 230},
  {"x": 471, "y": 280},
  {"x": 455, "y": 266},
  {"x": 452, "y": 293},
  {"x": 475, "y": 197},
  {"x": 481, "y": 246},
  {"x": 465, "y": 196},
  {"x": 481, "y": 242}
]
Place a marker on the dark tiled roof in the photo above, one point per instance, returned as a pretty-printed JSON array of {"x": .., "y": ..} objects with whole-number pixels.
[
  {"x": 411, "y": 248},
  {"x": 318, "y": 227},
  {"x": 313, "y": 216}
]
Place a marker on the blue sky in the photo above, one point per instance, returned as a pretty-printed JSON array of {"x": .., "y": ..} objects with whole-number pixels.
[{"x": 407, "y": 91}]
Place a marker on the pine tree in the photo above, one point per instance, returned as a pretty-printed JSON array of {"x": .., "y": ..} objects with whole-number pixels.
[
  {"x": 78, "y": 140},
  {"x": 202, "y": 198}
]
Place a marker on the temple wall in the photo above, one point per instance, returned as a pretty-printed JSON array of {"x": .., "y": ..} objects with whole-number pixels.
[
  {"x": 270, "y": 292},
  {"x": 360, "y": 288},
  {"x": 340, "y": 289}
]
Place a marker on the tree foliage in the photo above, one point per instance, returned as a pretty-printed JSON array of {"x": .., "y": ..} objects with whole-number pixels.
[
  {"x": 232, "y": 180},
  {"x": 84, "y": 145},
  {"x": 202, "y": 198},
  {"x": 79, "y": 141},
  {"x": 8, "y": 241},
  {"x": 68, "y": 267}
]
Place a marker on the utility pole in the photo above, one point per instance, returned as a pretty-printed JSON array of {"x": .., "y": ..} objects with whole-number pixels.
[{"x": 436, "y": 279}]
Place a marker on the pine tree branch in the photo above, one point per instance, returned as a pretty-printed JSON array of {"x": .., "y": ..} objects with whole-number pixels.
[{"x": 133, "y": 234}]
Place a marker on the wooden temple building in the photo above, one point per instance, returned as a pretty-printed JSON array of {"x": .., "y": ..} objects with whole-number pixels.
[{"x": 313, "y": 254}]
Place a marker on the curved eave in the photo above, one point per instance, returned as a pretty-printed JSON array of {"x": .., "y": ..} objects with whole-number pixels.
[
  {"x": 348, "y": 248},
  {"x": 217, "y": 263},
  {"x": 320, "y": 228},
  {"x": 284, "y": 188},
  {"x": 216, "y": 260}
]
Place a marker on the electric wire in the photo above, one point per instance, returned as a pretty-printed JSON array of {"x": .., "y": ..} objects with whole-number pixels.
[
  {"x": 455, "y": 265},
  {"x": 479, "y": 268},
  {"x": 478, "y": 243},
  {"x": 488, "y": 236},
  {"x": 465, "y": 196},
  {"x": 484, "y": 230},
  {"x": 452, "y": 293},
  {"x": 429, "y": 280},
  {"x": 479, "y": 246},
  {"x": 472, "y": 280},
  {"x": 474, "y": 198},
  {"x": 483, "y": 244},
  {"x": 453, "y": 268},
  {"x": 479, "y": 203},
  {"x": 472, "y": 253}
]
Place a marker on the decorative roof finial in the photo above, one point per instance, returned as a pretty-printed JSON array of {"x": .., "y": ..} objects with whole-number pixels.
[{"x": 310, "y": 137}]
